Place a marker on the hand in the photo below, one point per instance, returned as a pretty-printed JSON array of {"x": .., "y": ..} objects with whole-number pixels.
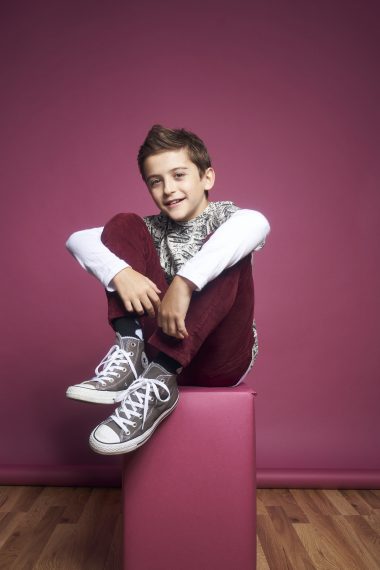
[
  {"x": 138, "y": 293},
  {"x": 174, "y": 307}
]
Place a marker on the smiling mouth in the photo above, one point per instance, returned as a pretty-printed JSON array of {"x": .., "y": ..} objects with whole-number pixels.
[{"x": 173, "y": 202}]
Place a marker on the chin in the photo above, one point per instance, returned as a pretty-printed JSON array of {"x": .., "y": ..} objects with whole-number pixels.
[{"x": 177, "y": 216}]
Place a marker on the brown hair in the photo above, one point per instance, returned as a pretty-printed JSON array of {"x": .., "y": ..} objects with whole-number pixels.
[{"x": 160, "y": 139}]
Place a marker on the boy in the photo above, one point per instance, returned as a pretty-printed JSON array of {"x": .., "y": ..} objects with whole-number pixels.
[{"x": 179, "y": 288}]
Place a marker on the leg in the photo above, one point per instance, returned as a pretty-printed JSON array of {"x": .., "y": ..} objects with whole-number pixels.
[
  {"x": 212, "y": 325},
  {"x": 219, "y": 348},
  {"x": 127, "y": 236},
  {"x": 217, "y": 353}
]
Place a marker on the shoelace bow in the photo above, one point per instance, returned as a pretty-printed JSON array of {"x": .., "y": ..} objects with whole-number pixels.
[
  {"x": 129, "y": 407},
  {"x": 107, "y": 370}
]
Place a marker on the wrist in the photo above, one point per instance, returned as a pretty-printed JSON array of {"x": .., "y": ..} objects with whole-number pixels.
[
  {"x": 184, "y": 283},
  {"x": 119, "y": 275}
]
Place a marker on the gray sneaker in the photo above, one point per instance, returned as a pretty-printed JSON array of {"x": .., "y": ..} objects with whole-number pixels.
[
  {"x": 147, "y": 402},
  {"x": 122, "y": 365}
]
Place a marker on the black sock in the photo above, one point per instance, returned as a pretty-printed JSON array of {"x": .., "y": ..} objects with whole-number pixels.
[
  {"x": 167, "y": 362},
  {"x": 127, "y": 326}
]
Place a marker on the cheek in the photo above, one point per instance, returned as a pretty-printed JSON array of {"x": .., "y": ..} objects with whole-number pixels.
[{"x": 155, "y": 195}]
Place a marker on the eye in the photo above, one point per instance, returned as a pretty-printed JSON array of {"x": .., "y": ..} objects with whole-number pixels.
[
  {"x": 154, "y": 182},
  {"x": 180, "y": 174}
]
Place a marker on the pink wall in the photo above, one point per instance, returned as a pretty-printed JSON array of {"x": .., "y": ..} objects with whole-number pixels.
[{"x": 285, "y": 94}]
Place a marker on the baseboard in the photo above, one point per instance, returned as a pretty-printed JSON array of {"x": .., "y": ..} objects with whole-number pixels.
[
  {"x": 318, "y": 478},
  {"x": 103, "y": 476},
  {"x": 62, "y": 475}
]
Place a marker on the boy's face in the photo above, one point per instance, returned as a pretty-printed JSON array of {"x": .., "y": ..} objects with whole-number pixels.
[{"x": 175, "y": 185}]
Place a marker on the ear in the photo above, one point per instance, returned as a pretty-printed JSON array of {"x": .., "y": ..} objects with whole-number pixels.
[{"x": 209, "y": 178}]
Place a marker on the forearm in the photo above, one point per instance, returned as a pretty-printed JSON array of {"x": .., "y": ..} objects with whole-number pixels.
[
  {"x": 174, "y": 307},
  {"x": 87, "y": 248},
  {"x": 244, "y": 232}
]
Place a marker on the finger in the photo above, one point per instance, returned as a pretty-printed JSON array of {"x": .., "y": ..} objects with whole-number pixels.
[
  {"x": 172, "y": 327},
  {"x": 148, "y": 306},
  {"x": 137, "y": 306},
  {"x": 153, "y": 285},
  {"x": 179, "y": 336},
  {"x": 164, "y": 325},
  {"x": 181, "y": 328},
  {"x": 128, "y": 306},
  {"x": 154, "y": 298}
]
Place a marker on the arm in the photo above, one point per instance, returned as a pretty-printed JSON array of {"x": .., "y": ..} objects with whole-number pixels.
[
  {"x": 245, "y": 231},
  {"x": 139, "y": 294},
  {"x": 90, "y": 252}
]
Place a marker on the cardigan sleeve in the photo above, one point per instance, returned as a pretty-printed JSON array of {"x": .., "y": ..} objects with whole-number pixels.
[
  {"x": 244, "y": 232},
  {"x": 90, "y": 252}
]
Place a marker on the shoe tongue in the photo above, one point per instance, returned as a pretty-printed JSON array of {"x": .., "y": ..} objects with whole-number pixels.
[
  {"x": 124, "y": 341},
  {"x": 154, "y": 370}
]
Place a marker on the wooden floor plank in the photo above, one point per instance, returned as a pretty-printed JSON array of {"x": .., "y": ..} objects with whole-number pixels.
[
  {"x": 374, "y": 520},
  {"x": 260, "y": 506},
  {"x": 324, "y": 505},
  {"x": 10, "y": 497},
  {"x": 63, "y": 550},
  {"x": 282, "y": 498},
  {"x": 87, "y": 543},
  {"x": 336, "y": 535},
  {"x": 262, "y": 562},
  {"x": 11, "y": 546},
  {"x": 289, "y": 539},
  {"x": 366, "y": 538},
  {"x": 114, "y": 559},
  {"x": 9, "y": 523},
  {"x": 63, "y": 528},
  {"x": 340, "y": 503},
  {"x": 272, "y": 547},
  {"x": 310, "y": 504},
  {"x": 35, "y": 539},
  {"x": 325, "y": 549},
  {"x": 75, "y": 504},
  {"x": 356, "y": 500},
  {"x": 26, "y": 498},
  {"x": 96, "y": 525},
  {"x": 372, "y": 497}
]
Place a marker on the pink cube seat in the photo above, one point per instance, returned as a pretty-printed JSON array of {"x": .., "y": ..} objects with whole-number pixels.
[{"x": 189, "y": 494}]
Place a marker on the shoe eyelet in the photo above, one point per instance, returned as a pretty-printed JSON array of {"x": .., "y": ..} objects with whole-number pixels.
[
  {"x": 140, "y": 416},
  {"x": 117, "y": 376},
  {"x": 133, "y": 344},
  {"x": 134, "y": 424},
  {"x": 131, "y": 353},
  {"x": 124, "y": 369}
]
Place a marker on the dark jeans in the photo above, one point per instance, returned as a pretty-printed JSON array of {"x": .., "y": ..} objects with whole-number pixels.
[{"x": 219, "y": 321}]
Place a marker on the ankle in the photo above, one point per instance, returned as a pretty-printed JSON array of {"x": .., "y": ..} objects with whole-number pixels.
[
  {"x": 167, "y": 362},
  {"x": 128, "y": 326}
]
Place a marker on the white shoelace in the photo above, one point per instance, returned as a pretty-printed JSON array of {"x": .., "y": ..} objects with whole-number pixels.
[
  {"x": 111, "y": 365},
  {"x": 129, "y": 407}
]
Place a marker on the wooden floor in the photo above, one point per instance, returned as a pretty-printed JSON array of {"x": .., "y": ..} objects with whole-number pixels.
[{"x": 61, "y": 528}]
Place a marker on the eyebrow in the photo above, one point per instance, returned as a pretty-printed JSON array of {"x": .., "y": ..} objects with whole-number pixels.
[{"x": 172, "y": 170}]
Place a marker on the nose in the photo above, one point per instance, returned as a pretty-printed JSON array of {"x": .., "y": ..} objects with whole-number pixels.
[{"x": 169, "y": 187}]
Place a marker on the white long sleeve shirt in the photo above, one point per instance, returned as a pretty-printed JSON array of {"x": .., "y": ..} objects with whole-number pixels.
[{"x": 238, "y": 232}]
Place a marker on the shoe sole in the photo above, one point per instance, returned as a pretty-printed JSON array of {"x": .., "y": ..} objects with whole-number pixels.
[
  {"x": 127, "y": 446},
  {"x": 94, "y": 396}
]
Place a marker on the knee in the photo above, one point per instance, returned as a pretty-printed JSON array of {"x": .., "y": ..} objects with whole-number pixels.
[{"x": 119, "y": 225}]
